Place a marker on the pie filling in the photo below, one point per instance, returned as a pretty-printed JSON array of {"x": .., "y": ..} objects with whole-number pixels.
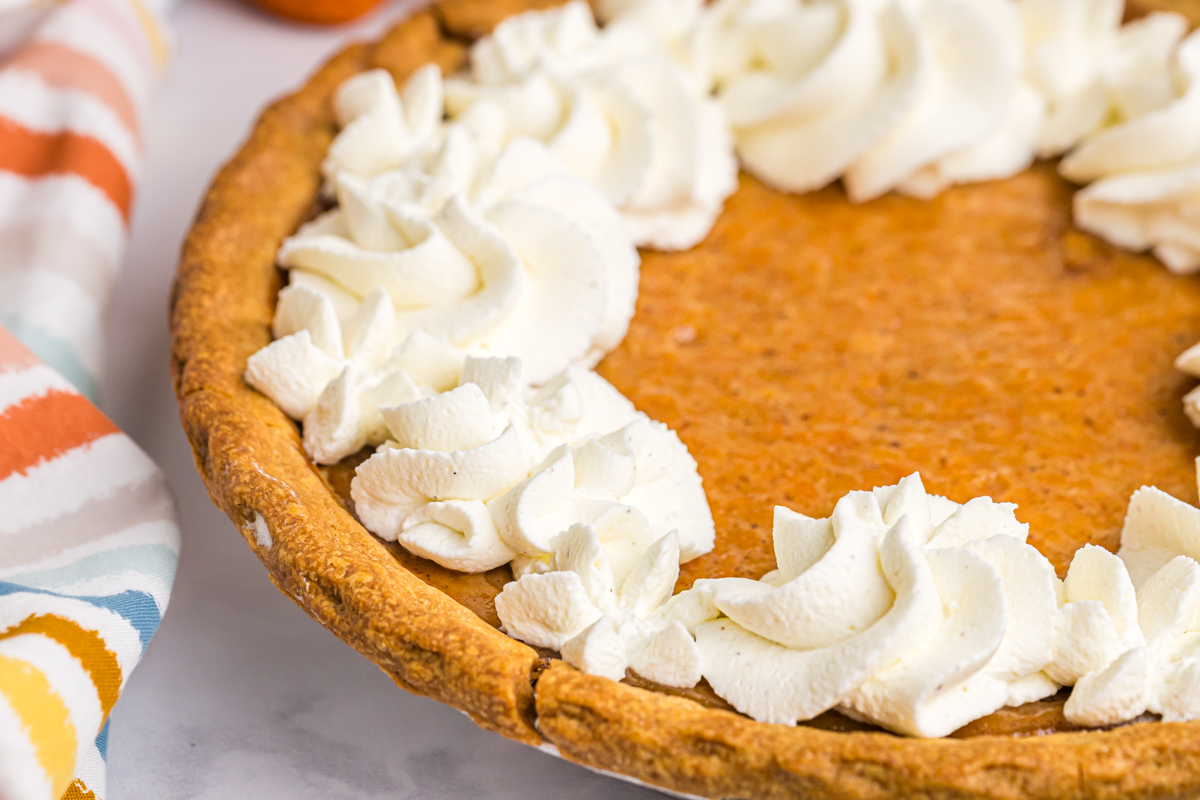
[{"x": 965, "y": 355}]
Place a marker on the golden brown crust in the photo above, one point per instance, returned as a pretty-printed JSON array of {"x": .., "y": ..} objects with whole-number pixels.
[
  {"x": 1190, "y": 9},
  {"x": 251, "y": 460},
  {"x": 470, "y": 19},
  {"x": 249, "y": 453},
  {"x": 415, "y": 43},
  {"x": 677, "y": 744}
]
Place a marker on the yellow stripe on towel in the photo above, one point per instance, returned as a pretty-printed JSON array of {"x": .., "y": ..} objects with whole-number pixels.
[
  {"x": 154, "y": 34},
  {"x": 31, "y": 696},
  {"x": 87, "y": 647}
]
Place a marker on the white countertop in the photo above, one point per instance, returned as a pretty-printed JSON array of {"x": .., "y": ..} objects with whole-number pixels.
[{"x": 240, "y": 693}]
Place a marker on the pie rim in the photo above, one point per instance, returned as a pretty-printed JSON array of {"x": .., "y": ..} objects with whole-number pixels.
[{"x": 250, "y": 457}]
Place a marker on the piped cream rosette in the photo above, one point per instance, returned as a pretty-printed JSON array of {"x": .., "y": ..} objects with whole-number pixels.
[
  {"x": 904, "y": 609},
  {"x": 1128, "y": 635},
  {"x": 489, "y": 472},
  {"x": 491, "y": 245},
  {"x": 887, "y": 95},
  {"x": 1093, "y": 70},
  {"x": 604, "y": 616},
  {"x": 1144, "y": 171},
  {"x": 334, "y": 375},
  {"x": 615, "y": 108}
]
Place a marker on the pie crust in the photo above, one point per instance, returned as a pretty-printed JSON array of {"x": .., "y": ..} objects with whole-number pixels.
[{"x": 391, "y": 607}]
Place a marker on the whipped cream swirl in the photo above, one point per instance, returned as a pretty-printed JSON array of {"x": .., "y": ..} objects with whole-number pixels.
[
  {"x": 604, "y": 620},
  {"x": 904, "y": 609},
  {"x": 1144, "y": 171},
  {"x": 908, "y": 95},
  {"x": 492, "y": 246},
  {"x": 454, "y": 482},
  {"x": 632, "y": 486},
  {"x": 615, "y": 108},
  {"x": 1135, "y": 650},
  {"x": 1188, "y": 363},
  {"x": 335, "y": 370},
  {"x": 1092, "y": 70}
]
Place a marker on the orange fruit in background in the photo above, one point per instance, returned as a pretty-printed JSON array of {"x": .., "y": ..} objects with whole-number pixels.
[{"x": 318, "y": 11}]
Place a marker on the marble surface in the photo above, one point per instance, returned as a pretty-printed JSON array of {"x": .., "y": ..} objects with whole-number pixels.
[{"x": 241, "y": 695}]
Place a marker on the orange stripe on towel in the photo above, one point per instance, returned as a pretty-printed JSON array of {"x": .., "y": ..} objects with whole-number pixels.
[
  {"x": 35, "y": 154},
  {"x": 42, "y": 428},
  {"x": 67, "y": 68},
  {"x": 13, "y": 354}
]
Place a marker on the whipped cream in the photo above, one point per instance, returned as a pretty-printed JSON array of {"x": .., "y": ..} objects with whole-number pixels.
[
  {"x": 1188, "y": 363},
  {"x": 1007, "y": 150},
  {"x": 631, "y": 487},
  {"x": 453, "y": 483},
  {"x": 1091, "y": 70},
  {"x": 904, "y": 609},
  {"x": 1096, "y": 625},
  {"x": 1150, "y": 135},
  {"x": 380, "y": 128},
  {"x": 602, "y": 622},
  {"x": 493, "y": 247},
  {"x": 881, "y": 93},
  {"x": 1146, "y": 170},
  {"x": 616, "y": 109},
  {"x": 1134, "y": 651},
  {"x": 1154, "y": 210},
  {"x": 334, "y": 372}
]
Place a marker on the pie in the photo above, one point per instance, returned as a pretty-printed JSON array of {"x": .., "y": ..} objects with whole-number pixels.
[{"x": 805, "y": 348}]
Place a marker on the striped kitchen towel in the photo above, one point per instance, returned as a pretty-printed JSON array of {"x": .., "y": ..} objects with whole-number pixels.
[
  {"x": 88, "y": 538},
  {"x": 88, "y": 547},
  {"x": 72, "y": 101}
]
